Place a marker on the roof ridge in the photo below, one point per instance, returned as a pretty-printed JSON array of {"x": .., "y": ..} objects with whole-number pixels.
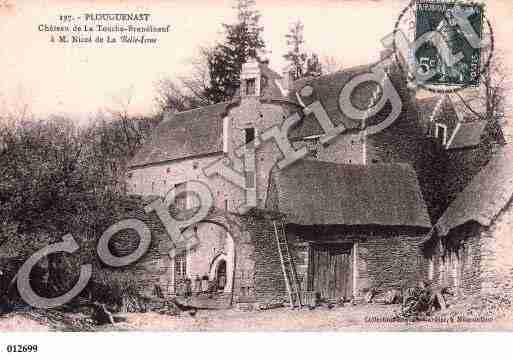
[
  {"x": 349, "y": 69},
  {"x": 202, "y": 107}
]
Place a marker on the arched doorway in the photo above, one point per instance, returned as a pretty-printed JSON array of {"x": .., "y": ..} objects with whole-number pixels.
[
  {"x": 221, "y": 271},
  {"x": 213, "y": 256}
]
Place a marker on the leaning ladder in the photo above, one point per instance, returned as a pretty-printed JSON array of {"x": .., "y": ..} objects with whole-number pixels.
[{"x": 287, "y": 265}]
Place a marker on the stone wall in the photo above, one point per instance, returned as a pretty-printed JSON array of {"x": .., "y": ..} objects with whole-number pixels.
[
  {"x": 389, "y": 261},
  {"x": 262, "y": 251},
  {"x": 160, "y": 178},
  {"x": 455, "y": 262},
  {"x": 497, "y": 256},
  {"x": 475, "y": 261}
]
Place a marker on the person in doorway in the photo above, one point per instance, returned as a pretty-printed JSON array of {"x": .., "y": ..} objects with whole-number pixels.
[
  {"x": 188, "y": 287},
  {"x": 222, "y": 282},
  {"x": 197, "y": 285}
]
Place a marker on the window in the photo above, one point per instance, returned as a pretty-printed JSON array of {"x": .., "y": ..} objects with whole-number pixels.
[
  {"x": 264, "y": 83},
  {"x": 180, "y": 196},
  {"x": 180, "y": 266},
  {"x": 250, "y": 87},
  {"x": 249, "y": 134},
  {"x": 250, "y": 179},
  {"x": 431, "y": 269},
  {"x": 441, "y": 133}
]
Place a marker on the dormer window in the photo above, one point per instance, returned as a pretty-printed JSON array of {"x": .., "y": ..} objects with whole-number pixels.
[
  {"x": 249, "y": 135},
  {"x": 250, "y": 87},
  {"x": 441, "y": 133}
]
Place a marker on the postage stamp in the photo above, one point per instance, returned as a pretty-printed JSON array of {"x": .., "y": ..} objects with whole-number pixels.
[{"x": 445, "y": 19}]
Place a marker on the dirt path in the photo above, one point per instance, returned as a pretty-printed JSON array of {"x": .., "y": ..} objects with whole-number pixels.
[
  {"x": 372, "y": 317},
  {"x": 359, "y": 318}
]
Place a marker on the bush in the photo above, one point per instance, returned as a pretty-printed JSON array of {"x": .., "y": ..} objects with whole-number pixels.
[{"x": 111, "y": 287}]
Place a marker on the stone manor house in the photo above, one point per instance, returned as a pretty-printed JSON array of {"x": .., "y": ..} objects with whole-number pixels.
[{"x": 379, "y": 211}]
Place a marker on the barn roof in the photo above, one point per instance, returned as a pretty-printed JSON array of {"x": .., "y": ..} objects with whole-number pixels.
[
  {"x": 486, "y": 195},
  {"x": 324, "y": 193},
  {"x": 185, "y": 134}
]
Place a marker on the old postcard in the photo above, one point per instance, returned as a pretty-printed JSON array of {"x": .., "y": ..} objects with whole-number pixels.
[{"x": 255, "y": 165}]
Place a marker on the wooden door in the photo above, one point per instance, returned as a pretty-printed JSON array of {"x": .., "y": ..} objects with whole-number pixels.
[{"x": 330, "y": 270}]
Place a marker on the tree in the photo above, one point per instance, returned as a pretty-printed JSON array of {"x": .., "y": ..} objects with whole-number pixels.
[
  {"x": 133, "y": 128},
  {"x": 40, "y": 163},
  {"x": 301, "y": 64},
  {"x": 63, "y": 178},
  {"x": 243, "y": 40},
  {"x": 296, "y": 56},
  {"x": 331, "y": 64},
  {"x": 313, "y": 66},
  {"x": 488, "y": 102},
  {"x": 173, "y": 97}
]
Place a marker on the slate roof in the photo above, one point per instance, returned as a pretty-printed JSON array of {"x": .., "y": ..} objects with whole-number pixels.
[
  {"x": 272, "y": 90},
  {"x": 468, "y": 135},
  {"x": 323, "y": 193},
  {"x": 326, "y": 89},
  {"x": 199, "y": 132},
  {"x": 474, "y": 98},
  {"x": 486, "y": 195},
  {"x": 185, "y": 134},
  {"x": 450, "y": 110}
]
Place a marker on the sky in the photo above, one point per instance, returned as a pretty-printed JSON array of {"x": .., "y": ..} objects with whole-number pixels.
[{"x": 80, "y": 80}]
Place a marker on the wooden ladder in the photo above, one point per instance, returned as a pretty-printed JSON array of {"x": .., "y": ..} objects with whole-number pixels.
[{"x": 287, "y": 265}]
